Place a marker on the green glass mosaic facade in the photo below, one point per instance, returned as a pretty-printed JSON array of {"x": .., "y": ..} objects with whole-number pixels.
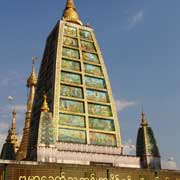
[
  {"x": 46, "y": 126},
  {"x": 84, "y": 95}
]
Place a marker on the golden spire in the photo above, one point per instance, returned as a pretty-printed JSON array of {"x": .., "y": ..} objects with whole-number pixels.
[
  {"x": 45, "y": 107},
  {"x": 32, "y": 80},
  {"x": 31, "y": 84},
  {"x": 13, "y": 127},
  {"x": 12, "y": 138},
  {"x": 144, "y": 121},
  {"x": 70, "y": 14}
]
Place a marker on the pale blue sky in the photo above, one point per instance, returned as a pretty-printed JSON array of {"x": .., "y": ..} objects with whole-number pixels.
[{"x": 141, "y": 48}]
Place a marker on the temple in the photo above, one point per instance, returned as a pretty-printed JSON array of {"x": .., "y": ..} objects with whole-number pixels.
[
  {"x": 146, "y": 146},
  {"x": 73, "y": 76},
  {"x": 71, "y": 116},
  {"x": 71, "y": 120}
]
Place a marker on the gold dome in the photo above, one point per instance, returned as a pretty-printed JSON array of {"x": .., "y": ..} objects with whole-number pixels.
[
  {"x": 45, "y": 107},
  {"x": 70, "y": 13},
  {"x": 32, "y": 80}
]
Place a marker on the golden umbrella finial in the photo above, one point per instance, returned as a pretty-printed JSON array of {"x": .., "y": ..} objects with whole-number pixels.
[
  {"x": 70, "y": 14},
  {"x": 45, "y": 107},
  {"x": 32, "y": 80}
]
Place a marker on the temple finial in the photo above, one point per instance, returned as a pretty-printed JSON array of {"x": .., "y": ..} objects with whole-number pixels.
[
  {"x": 70, "y": 14},
  {"x": 45, "y": 107},
  {"x": 144, "y": 121},
  {"x": 13, "y": 126},
  {"x": 11, "y": 137},
  {"x": 32, "y": 80},
  {"x": 14, "y": 112}
]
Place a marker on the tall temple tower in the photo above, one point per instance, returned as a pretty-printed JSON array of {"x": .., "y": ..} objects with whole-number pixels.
[
  {"x": 31, "y": 84},
  {"x": 81, "y": 106},
  {"x": 146, "y": 146}
]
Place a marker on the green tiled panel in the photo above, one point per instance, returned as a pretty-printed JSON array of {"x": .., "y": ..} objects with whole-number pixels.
[
  {"x": 95, "y": 82},
  {"x": 92, "y": 69},
  {"x": 90, "y": 57},
  {"x": 70, "y": 41},
  {"x": 87, "y": 46},
  {"x": 71, "y": 53},
  {"x": 71, "y": 78},
  {"x": 72, "y": 120},
  {"x": 101, "y": 110},
  {"x": 97, "y": 96},
  {"x": 101, "y": 124},
  {"x": 70, "y": 31},
  {"x": 72, "y": 135},
  {"x": 71, "y": 106},
  {"x": 71, "y": 91},
  {"x": 85, "y": 35},
  {"x": 70, "y": 65},
  {"x": 102, "y": 139}
]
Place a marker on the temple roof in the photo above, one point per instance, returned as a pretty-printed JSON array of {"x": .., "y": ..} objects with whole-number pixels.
[
  {"x": 11, "y": 145},
  {"x": 70, "y": 14},
  {"x": 8, "y": 152},
  {"x": 146, "y": 143}
]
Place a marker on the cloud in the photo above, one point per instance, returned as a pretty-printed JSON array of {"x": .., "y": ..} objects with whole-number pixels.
[
  {"x": 123, "y": 104},
  {"x": 135, "y": 19},
  {"x": 8, "y": 108},
  {"x": 129, "y": 148},
  {"x": 170, "y": 164}
]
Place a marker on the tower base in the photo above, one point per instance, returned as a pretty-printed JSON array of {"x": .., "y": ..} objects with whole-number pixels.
[{"x": 85, "y": 155}]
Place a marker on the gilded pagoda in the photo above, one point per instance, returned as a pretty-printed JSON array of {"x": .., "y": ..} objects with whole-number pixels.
[
  {"x": 71, "y": 124},
  {"x": 71, "y": 116},
  {"x": 74, "y": 78}
]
